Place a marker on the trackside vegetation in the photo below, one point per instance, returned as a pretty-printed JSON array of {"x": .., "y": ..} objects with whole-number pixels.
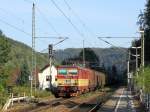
[{"x": 143, "y": 80}]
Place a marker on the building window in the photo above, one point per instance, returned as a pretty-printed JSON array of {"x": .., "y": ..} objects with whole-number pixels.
[{"x": 47, "y": 78}]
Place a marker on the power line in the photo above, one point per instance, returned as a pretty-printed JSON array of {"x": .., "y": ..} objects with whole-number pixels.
[
  {"x": 50, "y": 24},
  {"x": 44, "y": 18},
  {"x": 14, "y": 27},
  {"x": 29, "y": 1},
  {"x": 68, "y": 19},
  {"x": 118, "y": 37},
  {"x": 87, "y": 28},
  {"x": 75, "y": 14},
  {"x": 10, "y": 13},
  {"x": 83, "y": 23}
]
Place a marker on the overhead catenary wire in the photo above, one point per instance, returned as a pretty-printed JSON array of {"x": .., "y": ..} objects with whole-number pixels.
[
  {"x": 16, "y": 28},
  {"x": 87, "y": 28},
  {"x": 50, "y": 24},
  {"x": 83, "y": 23},
  {"x": 45, "y": 18},
  {"x": 68, "y": 19},
  {"x": 29, "y": 1},
  {"x": 12, "y": 14}
]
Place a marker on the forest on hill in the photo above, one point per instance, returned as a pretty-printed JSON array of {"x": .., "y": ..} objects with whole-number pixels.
[{"x": 20, "y": 55}]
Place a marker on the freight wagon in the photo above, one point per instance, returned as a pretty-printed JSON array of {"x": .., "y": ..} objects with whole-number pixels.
[{"x": 74, "y": 80}]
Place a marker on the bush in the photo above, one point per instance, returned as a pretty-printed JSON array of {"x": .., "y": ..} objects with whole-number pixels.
[
  {"x": 3, "y": 98},
  {"x": 143, "y": 80}
]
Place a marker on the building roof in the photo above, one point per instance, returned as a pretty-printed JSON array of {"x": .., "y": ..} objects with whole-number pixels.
[{"x": 45, "y": 67}]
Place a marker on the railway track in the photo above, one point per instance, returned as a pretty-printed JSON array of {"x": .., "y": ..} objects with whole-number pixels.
[
  {"x": 96, "y": 107},
  {"x": 63, "y": 104},
  {"x": 86, "y": 107},
  {"x": 54, "y": 103},
  {"x": 84, "y": 103}
]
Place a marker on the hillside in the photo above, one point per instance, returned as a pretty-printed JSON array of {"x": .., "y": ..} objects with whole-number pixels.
[
  {"x": 20, "y": 54},
  {"x": 107, "y": 56}
]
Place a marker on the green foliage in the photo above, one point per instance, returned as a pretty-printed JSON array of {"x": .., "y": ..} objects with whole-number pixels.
[
  {"x": 1, "y": 88},
  {"x": 143, "y": 80},
  {"x": 4, "y": 51},
  {"x": 13, "y": 54},
  {"x": 26, "y": 90},
  {"x": 3, "y": 97},
  {"x": 24, "y": 75},
  {"x": 146, "y": 26},
  {"x": 91, "y": 59},
  {"x": 42, "y": 94},
  {"x": 90, "y": 56},
  {"x": 4, "y": 58}
]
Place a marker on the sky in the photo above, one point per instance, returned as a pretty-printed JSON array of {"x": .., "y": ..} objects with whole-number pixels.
[{"x": 89, "y": 19}]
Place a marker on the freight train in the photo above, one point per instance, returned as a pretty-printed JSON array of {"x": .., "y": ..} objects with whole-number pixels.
[{"x": 75, "y": 80}]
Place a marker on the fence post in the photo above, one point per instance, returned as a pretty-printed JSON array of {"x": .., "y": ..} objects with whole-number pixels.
[
  {"x": 12, "y": 95},
  {"x": 18, "y": 98}
]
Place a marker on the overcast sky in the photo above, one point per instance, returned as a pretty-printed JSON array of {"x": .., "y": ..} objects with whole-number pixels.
[{"x": 102, "y": 18}]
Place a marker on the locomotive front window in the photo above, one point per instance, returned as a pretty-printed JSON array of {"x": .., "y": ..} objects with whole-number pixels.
[
  {"x": 73, "y": 71},
  {"x": 62, "y": 71}
]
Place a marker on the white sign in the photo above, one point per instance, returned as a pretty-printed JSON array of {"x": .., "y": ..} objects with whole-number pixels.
[
  {"x": 30, "y": 77},
  {"x": 130, "y": 75}
]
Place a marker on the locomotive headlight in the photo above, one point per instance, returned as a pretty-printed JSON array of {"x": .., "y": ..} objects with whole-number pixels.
[{"x": 55, "y": 79}]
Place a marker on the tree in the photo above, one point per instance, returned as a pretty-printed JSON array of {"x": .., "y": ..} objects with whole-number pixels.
[
  {"x": 1, "y": 33},
  {"x": 90, "y": 57},
  {"x": 24, "y": 75},
  {"x": 144, "y": 79},
  {"x": 114, "y": 74},
  {"x": 147, "y": 32},
  {"x": 5, "y": 49},
  {"x": 144, "y": 22}
]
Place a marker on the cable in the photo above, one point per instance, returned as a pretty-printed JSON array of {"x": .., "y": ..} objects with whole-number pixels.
[
  {"x": 29, "y": 1},
  {"x": 45, "y": 18},
  {"x": 83, "y": 24},
  {"x": 13, "y": 15},
  {"x": 14, "y": 27},
  {"x": 68, "y": 19}
]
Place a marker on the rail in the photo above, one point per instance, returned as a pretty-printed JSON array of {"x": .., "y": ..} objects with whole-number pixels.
[{"x": 96, "y": 107}]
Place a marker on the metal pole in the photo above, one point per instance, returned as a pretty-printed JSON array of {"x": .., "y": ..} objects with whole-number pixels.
[
  {"x": 128, "y": 75},
  {"x": 83, "y": 55},
  {"x": 128, "y": 72},
  {"x": 50, "y": 62},
  {"x": 137, "y": 61},
  {"x": 33, "y": 46},
  {"x": 143, "y": 50}
]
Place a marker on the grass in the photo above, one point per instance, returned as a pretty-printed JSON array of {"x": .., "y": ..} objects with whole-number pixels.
[
  {"x": 106, "y": 89},
  {"x": 3, "y": 98},
  {"x": 19, "y": 90},
  {"x": 36, "y": 93}
]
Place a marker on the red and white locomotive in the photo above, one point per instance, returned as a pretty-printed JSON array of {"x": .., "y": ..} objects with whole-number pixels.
[{"x": 74, "y": 80}]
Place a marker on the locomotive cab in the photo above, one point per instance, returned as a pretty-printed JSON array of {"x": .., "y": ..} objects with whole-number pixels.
[{"x": 67, "y": 80}]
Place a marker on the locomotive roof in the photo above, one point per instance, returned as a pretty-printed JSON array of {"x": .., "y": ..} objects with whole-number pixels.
[
  {"x": 68, "y": 66},
  {"x": 75, "y": 66}
]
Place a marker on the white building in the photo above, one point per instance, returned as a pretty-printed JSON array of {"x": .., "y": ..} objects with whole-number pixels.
[{"x": 44, "y": 77}]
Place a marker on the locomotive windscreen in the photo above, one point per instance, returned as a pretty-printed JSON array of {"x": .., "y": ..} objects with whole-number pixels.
[
  {"x": 62, "y": 71},
  {"x": 65, "y": 71},
  {"x": 73, "y": 71}
]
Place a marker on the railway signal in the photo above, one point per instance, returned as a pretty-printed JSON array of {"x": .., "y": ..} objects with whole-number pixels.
[{"x": 50, "y": 50}]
